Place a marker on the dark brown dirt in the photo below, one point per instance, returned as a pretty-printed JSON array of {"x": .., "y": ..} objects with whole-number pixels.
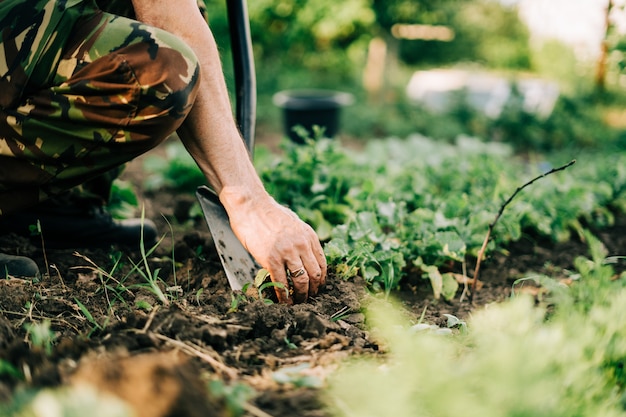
[{"x": 111, "y": 332}]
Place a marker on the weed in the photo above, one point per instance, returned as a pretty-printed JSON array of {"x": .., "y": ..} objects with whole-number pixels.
[
  {"x": 35, "y": 230},
  {"x": 151, "y": 277},
  {"x": 143, "y": 304},
  {"x": 289, "y": 343},
  {"x": 237, "y": 298},
  {"x": 40, "y": 335},
  {"x": 109, "y": 284},
  {"x": 123, "y": 202},
  {"x": 90, "y": 318},
  {"x": 235, "y": 397},
  {"x": 198, "y": 294}
]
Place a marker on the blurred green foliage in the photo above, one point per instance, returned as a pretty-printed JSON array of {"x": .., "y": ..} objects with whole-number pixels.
[{"x": 324, "y": 44}]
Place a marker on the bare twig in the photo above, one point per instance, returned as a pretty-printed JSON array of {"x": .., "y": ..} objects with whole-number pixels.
[
  {"x": 199, "y": 352},
  {"x": 53, "y": 266},
  {"x": 481, "y": 253},
  {"x": 150, "y": 319}
]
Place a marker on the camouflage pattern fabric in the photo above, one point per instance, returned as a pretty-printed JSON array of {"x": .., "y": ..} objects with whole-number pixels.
[{"x": 82, "y": 91}]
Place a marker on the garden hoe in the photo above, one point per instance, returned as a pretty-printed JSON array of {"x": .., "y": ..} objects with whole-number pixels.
[{"x": 238, "y": 264}]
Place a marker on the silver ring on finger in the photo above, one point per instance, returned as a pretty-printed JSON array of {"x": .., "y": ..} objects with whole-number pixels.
[{"x": 296, "y": 273}]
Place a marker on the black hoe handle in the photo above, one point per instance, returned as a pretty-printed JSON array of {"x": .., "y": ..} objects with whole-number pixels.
[{"x": 243, "y": 62}]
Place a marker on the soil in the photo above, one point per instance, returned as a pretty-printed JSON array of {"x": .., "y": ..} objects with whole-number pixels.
[{"x": 159, "y": 357}]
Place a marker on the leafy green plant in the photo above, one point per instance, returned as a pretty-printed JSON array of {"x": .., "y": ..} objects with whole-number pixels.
[
  {"x": 311, "y": 179},
  {"x": 123, "y": 202},
  {"x": 422, "y": 207}
]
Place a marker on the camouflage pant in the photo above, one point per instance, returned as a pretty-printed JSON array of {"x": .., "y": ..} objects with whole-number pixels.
[{"x": 115, "y": 89}]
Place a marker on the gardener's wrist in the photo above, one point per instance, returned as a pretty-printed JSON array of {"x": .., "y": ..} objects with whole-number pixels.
[{"x": 237, "y": 198}]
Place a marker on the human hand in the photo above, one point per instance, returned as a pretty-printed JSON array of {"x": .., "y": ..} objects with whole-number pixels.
[{"x": 281, "y": 243}]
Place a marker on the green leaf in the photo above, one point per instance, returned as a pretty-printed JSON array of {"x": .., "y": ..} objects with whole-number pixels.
[
  {"x": 449, "y": 286},
  {"x": 260, "y": 277},
  {"x": 436, "y": 280}
]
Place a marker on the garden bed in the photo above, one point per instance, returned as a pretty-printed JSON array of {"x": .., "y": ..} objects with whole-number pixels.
[
  {"x": 259, "y": 359},
  {"x": 282, "y": 352}
]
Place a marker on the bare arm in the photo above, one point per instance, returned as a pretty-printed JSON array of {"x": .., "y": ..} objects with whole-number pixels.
[{"x": 273, "y": 234}]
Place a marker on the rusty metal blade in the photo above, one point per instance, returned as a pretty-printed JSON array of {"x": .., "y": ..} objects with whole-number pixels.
[{"x": 239, "y": 266}]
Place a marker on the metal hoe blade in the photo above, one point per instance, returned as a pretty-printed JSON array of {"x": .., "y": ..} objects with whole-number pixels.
[{"x": 239, "y": 266}]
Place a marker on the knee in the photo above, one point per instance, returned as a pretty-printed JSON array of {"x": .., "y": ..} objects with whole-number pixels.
[{"x": 167, "y": 72}]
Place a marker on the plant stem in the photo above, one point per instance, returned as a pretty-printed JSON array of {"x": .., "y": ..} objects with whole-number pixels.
[
  {"x": 481, "y": 252},
  {"x": 43, "y": 249}
]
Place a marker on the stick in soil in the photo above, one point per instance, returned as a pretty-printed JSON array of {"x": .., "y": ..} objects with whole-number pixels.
[{"x": 481, "y": 252}]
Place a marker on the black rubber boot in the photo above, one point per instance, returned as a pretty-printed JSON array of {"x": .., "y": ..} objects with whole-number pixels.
[
  {"x": 17, "y": 267},
  {"x": 74, "y": 227}
]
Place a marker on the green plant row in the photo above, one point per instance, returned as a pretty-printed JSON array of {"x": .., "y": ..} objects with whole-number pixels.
[
  {"x": 563, "y": 358},
  {"x": 416, "y": 205}
]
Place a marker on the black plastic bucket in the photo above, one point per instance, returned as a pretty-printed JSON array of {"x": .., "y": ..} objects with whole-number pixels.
[{"x": 307, "y": 108}]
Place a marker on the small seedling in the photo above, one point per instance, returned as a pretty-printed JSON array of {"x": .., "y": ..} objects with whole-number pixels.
[
  {"x": 454, "y": 321},
  {"x": 41, "y": 335},
  {"x": 144, "y": 305},
  {"x": 35, "y": 230},
  {"x": 90, "y": 318},
  {"x": 262, "y": 281},
  {"x": 290, "y": 344},
  {"x": 198, "y": 294},
  {"x": 235, "y": 397},
  {"x": 237, "y": 298}
]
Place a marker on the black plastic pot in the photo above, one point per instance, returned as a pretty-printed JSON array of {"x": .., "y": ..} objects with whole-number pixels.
[{"x": 307, "y": 108}]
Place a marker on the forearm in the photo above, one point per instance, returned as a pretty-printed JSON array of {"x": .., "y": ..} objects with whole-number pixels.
[
  {"x": 273, "y": 234},
  {"x": 209, "y": 132}
]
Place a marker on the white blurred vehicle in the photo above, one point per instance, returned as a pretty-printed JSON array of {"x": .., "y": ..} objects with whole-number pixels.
[{"x": 437, "y": 90}]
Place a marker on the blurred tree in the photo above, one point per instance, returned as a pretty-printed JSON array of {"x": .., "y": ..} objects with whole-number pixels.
[
  {"x": 431, "y": 12},
  {"x": 604, "y": 48},
  {"x": 313, "y": 34},
  {"x": 493, "y": 34},
  {"x": 611, "y": 62},
  {"x": 485, "y": 31}
]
